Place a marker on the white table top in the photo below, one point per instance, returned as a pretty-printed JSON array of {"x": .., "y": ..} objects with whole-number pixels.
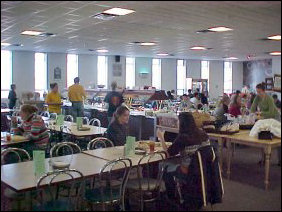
[
  {"x": 73, "y": 129},
  {"x": 7, "y": 110},
  {"x": 21, "y": 177},
  {"x": 16, "y": 139}
]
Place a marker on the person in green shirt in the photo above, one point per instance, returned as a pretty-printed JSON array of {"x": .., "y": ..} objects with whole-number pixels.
[
  {"x": 267, "y": 107},
  {"x": 265, "y": 103}
]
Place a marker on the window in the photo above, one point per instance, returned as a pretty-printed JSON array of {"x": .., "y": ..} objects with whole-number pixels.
[
  {"x": 156, "y": 73},
  {"x": 130, "y": 72},
  {"x": 205, "y": 71},
  {"x": 6, "y": 72},
  {"x": 181, "y": 77},
  {"x": 72, "y": 68},
  {"x": 40, "y": 67},
  {"x": 228, "y": 77},
  {"x": 102, "y": 74}
]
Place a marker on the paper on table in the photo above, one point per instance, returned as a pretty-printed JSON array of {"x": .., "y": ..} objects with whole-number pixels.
[
  {"x": 130, "y": 146},
  {"x": 38, "y": 162},
  {"x": 60, "y": 120}
]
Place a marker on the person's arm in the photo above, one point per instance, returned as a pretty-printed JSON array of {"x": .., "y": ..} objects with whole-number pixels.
[
  {"x": 271, "y": 109},
  {"x": 17, "y": 130},
  {"x": 254, "y": 105},
  {"x": 36, "y": 127},
  {"x": 160, "y": 134},
  {"x": 84, "y": 93}
]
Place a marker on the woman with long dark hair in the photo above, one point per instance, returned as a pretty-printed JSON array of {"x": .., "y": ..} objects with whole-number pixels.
[
  {"x": 117, "y": 129},
  {"x": 189, "y": 139}
]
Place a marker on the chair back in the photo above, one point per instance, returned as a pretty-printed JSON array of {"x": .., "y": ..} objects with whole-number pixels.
[
  {"x": 45, "y": 114},
  {"x": 144, "y": 163},
  {"x": 69, "y": 118},
  {"x": 53, "y": 116},
  {"x": 71, "y": 179},
  {"x": 21, "y": 154},
  {"x": 85, "y": 120},
  {"x": 16, "y": 113},
  {"x": 95, "y": 122},
  {"x": 99, "y": 142},
  {"x": 64, "y": 148},
  {"x": 106, "y": 177}
]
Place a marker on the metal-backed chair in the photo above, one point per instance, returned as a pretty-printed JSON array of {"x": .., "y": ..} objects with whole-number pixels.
[
  {"x": 85, "y": 120},
  {"x": 95, "y": 122},
  {"x": 99, "y": 142},
  {"x": 107, "y": 193},
  {"x": 66, "y": 147},
  {"x": 21, "y": 155},
  {"x": 146, "y": 188},
  {"x": 53, "y": 116},
  {"x": 70, "y": 178},
  {"x": 45, "y": 114},
  {"x": 69, "y": 118}
]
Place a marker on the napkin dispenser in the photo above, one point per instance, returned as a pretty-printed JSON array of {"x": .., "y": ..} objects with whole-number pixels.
[{"x": 265, "y": 135}]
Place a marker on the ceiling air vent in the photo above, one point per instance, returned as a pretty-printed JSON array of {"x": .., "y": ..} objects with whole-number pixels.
[
  {"x": 47, "y": 34},
  {"x": 104, "y": 16},
  {"x": 203, "y": 31}
]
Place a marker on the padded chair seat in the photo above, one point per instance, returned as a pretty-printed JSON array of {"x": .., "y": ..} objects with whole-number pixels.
[
  {"x": 134, "y": 184},
  {"x": 94, "y": 195},
  {"x": 57, "y": 205}
]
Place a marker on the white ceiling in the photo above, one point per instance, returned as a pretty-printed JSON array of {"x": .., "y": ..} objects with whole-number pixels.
[{"x": 172, "y": 24}]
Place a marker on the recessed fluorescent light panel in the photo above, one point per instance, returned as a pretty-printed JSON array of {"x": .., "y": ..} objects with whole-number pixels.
[
  {"x": 118, "y": 11},
  {"x": 231, "y": 58},
  {"x": 102, "y": 50},
  {"x": 198, "y": 48},
  {"x": 162, "y": 54},
  {"x": 276, "y": 53},
  {"x": 220, "y": 29},
  {"x": 6, "y": 44},
  {"x": 274, "y": 37},
  {"x": 32, "y": 33},
  {"x": 147, "y": 44}
]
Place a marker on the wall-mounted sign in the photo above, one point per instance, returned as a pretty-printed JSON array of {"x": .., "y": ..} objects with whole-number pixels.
[{"x": 57, "y": 73}]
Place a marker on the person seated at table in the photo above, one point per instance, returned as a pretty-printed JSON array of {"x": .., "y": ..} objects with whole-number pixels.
[
  {"x": 118, "y": 129},
  {"x": 204, "y": 99},
  {"x": 32, "y": 127},
  {"x": 190, "y": 93},
  {"x": 196, "y": 101},
  {"x": 53, "y": 99},
  {"x": 189, "y": 139},
  {"x": 235, "y": 105},
  {"x": 185, "y": 101},
  {"x": 169, "y": 95},
  {"x": 221, "y": 109}
]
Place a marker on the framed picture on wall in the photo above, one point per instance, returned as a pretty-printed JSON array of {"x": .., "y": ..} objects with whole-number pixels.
[
  {"x": 269, "y": 84},
  {"x": 277, "y": 82},
  {"x": 57, "y": 73}
]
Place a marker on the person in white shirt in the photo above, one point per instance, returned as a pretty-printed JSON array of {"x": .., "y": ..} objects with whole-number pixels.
[
  {"x": 246, "y": 90},
  {"x": 196, "y": 101}
]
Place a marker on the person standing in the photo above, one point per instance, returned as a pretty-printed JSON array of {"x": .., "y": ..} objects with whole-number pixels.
[
  {"x": 53, "y": 99},
  {"x": 12, "y": 97},
  {"x": 77, "y": 95},
  {"x": 114, "y": 99}
]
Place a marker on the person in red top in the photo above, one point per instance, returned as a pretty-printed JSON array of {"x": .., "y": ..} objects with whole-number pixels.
[{"x": 235, "y": 105}]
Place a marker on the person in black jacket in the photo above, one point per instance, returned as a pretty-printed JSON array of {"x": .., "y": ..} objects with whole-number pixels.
[
  {"x": 12, "y": 97},
  {"x": 189, "y": 139},
  {"x": 117, "y": 129}
]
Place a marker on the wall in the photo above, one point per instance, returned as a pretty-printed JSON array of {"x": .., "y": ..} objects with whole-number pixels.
[
  {"x": 276, "y": 69},
  {"x": 23, "y": 71},
  {"x": 237, "y": 75},
  {"x": 143, "y": 64},
  {"x": 216, "y": 79},
  {"x": 193, "y": 69},
  {"x": 120, "y": 80},
  {"x": 87, "y": 70},
  {"x": 169, "y": 74}
]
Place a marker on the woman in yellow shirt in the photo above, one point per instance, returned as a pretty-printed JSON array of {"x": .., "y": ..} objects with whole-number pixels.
[{"x": 53, "y": 99}]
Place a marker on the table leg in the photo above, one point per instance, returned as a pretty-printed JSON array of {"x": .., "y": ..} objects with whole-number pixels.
[
  {"x": 220, "y": 147},
  {"x": 229, "y": 155},
  {"x": 267, "y": 152}
]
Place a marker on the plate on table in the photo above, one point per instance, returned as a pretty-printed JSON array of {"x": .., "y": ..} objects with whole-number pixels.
[{"x": 84, "y": 129}]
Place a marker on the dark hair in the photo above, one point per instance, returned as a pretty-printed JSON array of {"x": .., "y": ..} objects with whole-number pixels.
[
  {"x": 29, "y": 109},
  {"x": 274, "y": 96},
  {"x": 13, "y": 86},
  {"x": 76, "y": 80},
  {"x": 238, "y": 92},
  {"x": 189, "y": 90},
  {"x": 196, "y": 94},
  {"x": 261, "y": 86},
  {"x": 187, "y": 126},
  {"x": 184, "y": 95},
  {"x": 114, "y": 85},
  {"x": 120, "y": 110},
  {"x": 52, "y": 85}
]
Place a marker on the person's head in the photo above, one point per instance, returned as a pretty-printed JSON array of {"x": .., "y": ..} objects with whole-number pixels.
[
  {"x": 203, "y": 95},
  {"x": 122, "y": 114},
  {"x": 26, "y": 111},
  {"x": 236, "y": 100},
  {"x": 173, "y": 91},
  {"x": 187, "y": 123},
  {"x": 238, "y": 92},
  {"x": 76, "y": 80},
  {"x": 114, "y": 85},
  {"x": 185, "y": 97},
  {"x": 275, "y": 97},
  {"x": 225, "y": 100},
  {"x": 189, "y": 91},
  {"x": 196, "y": 95},
  {"x": 260, "y": 89},
  {"x": 13, "y": 86},
  {"x": 168, "y": 93},
  {"x": 197, "y": 90},
  {"x": 54, "y": 87}
]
